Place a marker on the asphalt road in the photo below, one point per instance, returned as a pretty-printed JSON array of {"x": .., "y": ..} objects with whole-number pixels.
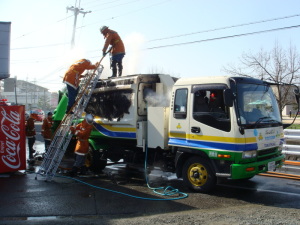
[{"x": 120, "y": 193}]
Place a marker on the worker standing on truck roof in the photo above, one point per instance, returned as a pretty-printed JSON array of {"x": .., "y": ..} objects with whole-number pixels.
[
  {"x": 72, "y": 79},
  {"x": 46, "y": 130},
  {"x": 117, "y": 49},
  {"x": 82, "y": 132}
]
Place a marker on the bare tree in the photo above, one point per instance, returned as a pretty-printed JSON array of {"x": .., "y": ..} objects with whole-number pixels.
[{"x": 276, "y": 66}]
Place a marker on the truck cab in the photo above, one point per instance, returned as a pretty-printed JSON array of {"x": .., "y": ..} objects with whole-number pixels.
[{"x": 226, "y": 127}]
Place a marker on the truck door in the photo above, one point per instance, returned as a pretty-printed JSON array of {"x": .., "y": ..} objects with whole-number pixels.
[
  {"x": 209, "y": 117},
  {"x": 179, "y": 119}
]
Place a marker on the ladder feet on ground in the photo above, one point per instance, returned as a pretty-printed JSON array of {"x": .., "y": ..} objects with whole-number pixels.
[{"x": 62, "y": 136}]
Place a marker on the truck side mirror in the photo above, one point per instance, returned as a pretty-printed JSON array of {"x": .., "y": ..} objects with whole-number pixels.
[{"x": 228, "y": 97}]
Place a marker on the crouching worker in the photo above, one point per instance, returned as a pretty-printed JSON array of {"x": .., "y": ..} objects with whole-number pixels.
[{"x": 82, "y": 132}]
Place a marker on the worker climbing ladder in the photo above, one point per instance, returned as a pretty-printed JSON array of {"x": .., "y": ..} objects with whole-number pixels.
[{"x": 63, "y": 135}]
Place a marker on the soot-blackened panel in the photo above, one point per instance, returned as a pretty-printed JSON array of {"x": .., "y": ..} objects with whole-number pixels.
[{"x": 110, "y": 105}]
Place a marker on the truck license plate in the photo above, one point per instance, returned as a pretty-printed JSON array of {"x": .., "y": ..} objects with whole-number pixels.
[{"x": 271, "y": 166}]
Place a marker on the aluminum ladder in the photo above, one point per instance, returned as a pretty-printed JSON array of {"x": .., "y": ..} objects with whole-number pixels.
[{"x": 63, "y": 136}]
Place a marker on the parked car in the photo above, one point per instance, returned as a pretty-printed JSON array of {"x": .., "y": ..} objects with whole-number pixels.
[
  {"x": 4, "y": 102},
  {"x": 38, "y": 114}
]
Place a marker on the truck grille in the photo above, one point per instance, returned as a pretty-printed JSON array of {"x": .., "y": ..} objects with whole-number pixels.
[{"x": 266, "y": 154}]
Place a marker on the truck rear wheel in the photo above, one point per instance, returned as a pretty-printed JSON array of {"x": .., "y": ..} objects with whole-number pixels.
[
  {"x": 198, "y": 174},
  {"x": 94, "y": 162}
]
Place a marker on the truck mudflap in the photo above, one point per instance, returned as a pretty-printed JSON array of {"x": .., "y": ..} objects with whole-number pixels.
[{"x": 242, "y": 171}]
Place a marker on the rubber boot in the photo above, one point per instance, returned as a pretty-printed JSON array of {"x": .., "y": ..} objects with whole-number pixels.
[
  {"x": 120, "y": 68},
  {"x": 120, "y": 73},
  {"x": 73, "y": 172},
  {"x": 83, "y": 170},
  {"x": 114, "y": 72},
  {"x": 114, "y": 69}
]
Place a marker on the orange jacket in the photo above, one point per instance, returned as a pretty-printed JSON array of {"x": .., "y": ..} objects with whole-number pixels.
[
  {"x": 30, "y": 128},
  {"x": 83, "y": 131},
  {"x": 113, "y": 39},
  {"x": 46, "y": 129},
  {"x": 73, "y": 75}
]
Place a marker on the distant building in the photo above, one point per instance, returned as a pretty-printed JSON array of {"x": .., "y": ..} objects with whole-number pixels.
[{"x": 26, "y": 93}]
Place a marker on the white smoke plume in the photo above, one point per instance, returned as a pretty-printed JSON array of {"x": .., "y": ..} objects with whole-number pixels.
[
  {"x": 155, "y": 99},
  {"x": 133, "y": 45}
]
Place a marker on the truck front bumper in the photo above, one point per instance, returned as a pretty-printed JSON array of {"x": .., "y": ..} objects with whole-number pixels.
[{"x": 241, "y": 171}]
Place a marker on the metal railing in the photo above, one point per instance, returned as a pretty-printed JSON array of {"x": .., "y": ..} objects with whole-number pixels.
[{"x": 291, "y": 149}]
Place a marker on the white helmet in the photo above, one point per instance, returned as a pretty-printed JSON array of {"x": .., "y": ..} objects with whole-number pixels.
[
  {"x": 103, "y": 28},
  {"x": 89, "y": 118}
]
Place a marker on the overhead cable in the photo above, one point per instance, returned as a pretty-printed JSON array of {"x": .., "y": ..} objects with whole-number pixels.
[
  {"x": 226, "y": 27},
  {"x": 114, "y": 17},
  {"x": 42, "y": 46},
  {"x": 43, "y": 27},
  {"x": 224, "y": 37}
]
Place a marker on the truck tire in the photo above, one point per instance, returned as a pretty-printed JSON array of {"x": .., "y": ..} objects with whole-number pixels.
[
  {"x": 94, "y": 162},
  {"x": 198, "y": 174}
]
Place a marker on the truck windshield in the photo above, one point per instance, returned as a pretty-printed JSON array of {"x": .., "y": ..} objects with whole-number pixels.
[{"x": 257, "y": 105}]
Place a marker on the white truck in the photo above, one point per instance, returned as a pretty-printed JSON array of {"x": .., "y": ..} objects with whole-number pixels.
[
  {"x": 4, "y": 49},
  {"x": 201, "y": 128}
]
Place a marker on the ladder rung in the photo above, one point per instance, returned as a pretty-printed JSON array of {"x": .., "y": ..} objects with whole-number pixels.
[{"x": 62, "y": 137}]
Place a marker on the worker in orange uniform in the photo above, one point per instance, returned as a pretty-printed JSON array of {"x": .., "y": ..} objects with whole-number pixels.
[
  {"x": 30, "y": 134},
  {"x": 72, "y": 76},
  {"x": 82, "y": 132},
  {"x": 117, "y": 49},
  {"x": 46, "y": 130}
]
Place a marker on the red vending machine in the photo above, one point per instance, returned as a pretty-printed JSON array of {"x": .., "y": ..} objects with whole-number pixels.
[{"x": 12, "y": 139}]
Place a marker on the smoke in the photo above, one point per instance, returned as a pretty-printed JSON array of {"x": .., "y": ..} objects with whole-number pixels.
[
  {"x": 72, "y": 55},
  {"x": 133, "y": 45},
  {"x": 154, "y": 99}
]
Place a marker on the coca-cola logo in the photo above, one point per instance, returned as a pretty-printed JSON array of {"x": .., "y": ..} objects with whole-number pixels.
[{"x": 10, "y": 144}]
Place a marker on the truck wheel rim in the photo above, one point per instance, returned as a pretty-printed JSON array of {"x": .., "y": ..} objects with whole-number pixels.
[{"x": 197, "y": 174}]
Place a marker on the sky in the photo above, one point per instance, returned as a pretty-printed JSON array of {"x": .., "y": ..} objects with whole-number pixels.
[{"x": 183, "y": 38}]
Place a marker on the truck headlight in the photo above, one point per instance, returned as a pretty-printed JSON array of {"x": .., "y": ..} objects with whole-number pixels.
[{"x": 249, "y": 154}]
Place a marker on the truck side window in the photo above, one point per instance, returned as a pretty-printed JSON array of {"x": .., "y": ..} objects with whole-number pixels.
[
  {"x": 180, "y": 103},
  {"x": 209, "y": 109}
]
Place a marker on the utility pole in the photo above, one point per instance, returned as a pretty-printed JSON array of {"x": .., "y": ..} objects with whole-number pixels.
[{"x": 76, "y": 11}]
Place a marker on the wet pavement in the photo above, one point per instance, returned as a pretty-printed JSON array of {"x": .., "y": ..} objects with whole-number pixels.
[{"x": 122, "y": 192}]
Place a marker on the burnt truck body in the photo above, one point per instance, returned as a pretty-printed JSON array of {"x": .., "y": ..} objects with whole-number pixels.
[{"x": 202, "y": 128}]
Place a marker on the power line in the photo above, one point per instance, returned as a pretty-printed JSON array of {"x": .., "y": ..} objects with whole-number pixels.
[
  {"x": 42, "y": 46},
  {"x": 97, "y": 4},
  {"x": 134, "y": 11},
  {"x": 226, "y": 27},
  {"x": 116, "y": 5},
  {"x": 225, "y": 37},
  {"x": 44, "y": 27}
]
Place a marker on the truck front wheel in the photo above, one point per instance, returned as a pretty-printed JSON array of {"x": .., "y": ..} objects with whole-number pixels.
[
  {"x": 198, "y": 174},
  {"x": 94, "y": 161}
]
